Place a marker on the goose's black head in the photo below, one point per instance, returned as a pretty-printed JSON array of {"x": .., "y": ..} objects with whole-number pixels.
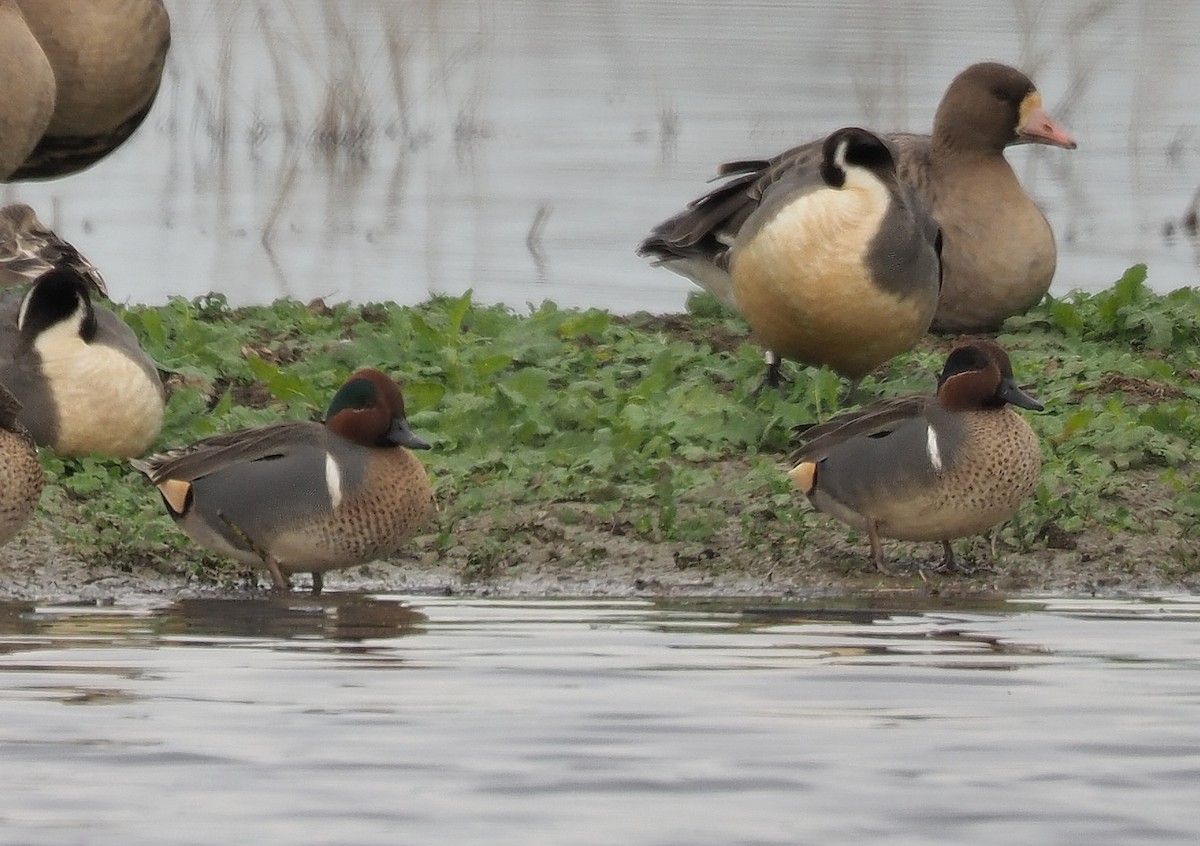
[
  {"x": 58, "y": 296},
  {"x": 855, "y": 147}
]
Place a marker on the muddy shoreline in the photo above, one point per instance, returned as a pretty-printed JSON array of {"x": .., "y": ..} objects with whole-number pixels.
[
  {"x": 547, "y": 555},
  {"x": 578, "y": 453}
]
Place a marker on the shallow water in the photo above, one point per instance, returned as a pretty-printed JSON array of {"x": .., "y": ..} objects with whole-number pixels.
[
  {"x": 386, "y": 719},
  {"x": 391, "y": 149}
]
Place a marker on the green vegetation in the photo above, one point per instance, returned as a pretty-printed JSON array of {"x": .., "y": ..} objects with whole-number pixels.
[{"x": 645, "y": 427}]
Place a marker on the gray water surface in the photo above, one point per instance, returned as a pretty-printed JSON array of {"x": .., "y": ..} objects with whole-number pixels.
[
  {"x": 389, "y": 720},
  {"x": 393, "y": 149}
]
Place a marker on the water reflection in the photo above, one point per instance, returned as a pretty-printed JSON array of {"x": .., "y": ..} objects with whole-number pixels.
[
  {"x": 338, "y": 618},
  {"x": 393, "y": 150},
  {"x": 636, "y": 722},
  {"x": 334, "y": 617}
]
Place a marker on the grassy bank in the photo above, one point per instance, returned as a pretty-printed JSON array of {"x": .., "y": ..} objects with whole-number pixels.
[{"x": 568, "y": 438}]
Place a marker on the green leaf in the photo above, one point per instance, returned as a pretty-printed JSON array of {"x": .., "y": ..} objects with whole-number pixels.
[{"x": 593, "y": 323}]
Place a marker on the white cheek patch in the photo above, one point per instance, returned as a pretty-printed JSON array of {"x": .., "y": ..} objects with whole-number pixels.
[
  {"x": 839, "y": 155},
  {"x": 933, "y": 450},
  {"x": 333, "y": 481}
]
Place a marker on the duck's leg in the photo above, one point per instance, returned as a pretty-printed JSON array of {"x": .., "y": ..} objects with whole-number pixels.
[
  {"x": 773, "y": 376},
  {"x": 851, "y": 395},
  {"x": 318, "y": 583},
  {"x": 949, "y": 562},
  {"x": 278, "y": 580},
  {"x": 876, "y": 546}
]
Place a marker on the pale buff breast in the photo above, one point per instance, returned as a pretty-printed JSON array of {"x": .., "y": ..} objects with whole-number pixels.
[
  {"x": 804, "y": 287},
  {"x": 107, "y": 55},
  {"x": 999, "y": 254},
  {"x": 27, "y": 89},
  {"x": 395, "y": 501},
  {"x": 21, "y": 483},
  {"x": 996, "y": 470},
  {"x": 104, "y": 401}
]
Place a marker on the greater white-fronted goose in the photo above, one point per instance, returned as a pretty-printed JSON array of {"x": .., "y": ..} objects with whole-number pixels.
[
  {"x": 26, "y": 89},
  {"x": 998, "y": 249},
  {"x": 107, "y": 57}
]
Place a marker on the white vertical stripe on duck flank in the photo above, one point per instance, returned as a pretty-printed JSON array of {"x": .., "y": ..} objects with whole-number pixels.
[
  {"x": 333, "y": 480},
  {"x": 931, "y": 447}
]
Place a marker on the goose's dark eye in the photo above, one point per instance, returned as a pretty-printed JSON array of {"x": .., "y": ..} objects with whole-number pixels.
[{"x": 1007, "y": 95}]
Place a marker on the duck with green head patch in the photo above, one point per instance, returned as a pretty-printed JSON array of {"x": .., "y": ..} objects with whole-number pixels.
[
  {"x": 21, "y": 476},
  {"x": 304, "y": 496},
  {"x": 928, "y": 468}
]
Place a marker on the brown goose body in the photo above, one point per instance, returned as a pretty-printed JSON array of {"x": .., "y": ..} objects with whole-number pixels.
[
  {"x": 107, "y": 59},
  {"x": 27, "y": 89}
]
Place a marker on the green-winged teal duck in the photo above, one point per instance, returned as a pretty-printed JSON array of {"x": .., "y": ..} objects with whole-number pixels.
[
  {"x": 928, "y": 468},
  {"x": 302, "y": 496}
]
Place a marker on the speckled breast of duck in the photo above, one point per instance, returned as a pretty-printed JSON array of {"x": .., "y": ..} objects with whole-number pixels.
[
  {"x": 394, "y": 501},
  {"x": 995, "y": 470},
  {"x": 21, "y": 482}
]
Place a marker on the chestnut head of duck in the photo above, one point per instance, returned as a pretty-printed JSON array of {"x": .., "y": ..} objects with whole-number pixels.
[
  {"x": 978, "y": 375},
  {"x": 368, "y": 409},
  {"x": 990, "y": 106}
]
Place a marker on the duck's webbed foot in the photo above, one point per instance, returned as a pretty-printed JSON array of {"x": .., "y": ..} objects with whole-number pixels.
[{"x": 773, "y": 375}]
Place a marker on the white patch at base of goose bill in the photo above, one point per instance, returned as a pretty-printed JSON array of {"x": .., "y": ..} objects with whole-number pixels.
[
  {"x": 333, "y": 480},
  {"x": 934, "y": 451}
]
